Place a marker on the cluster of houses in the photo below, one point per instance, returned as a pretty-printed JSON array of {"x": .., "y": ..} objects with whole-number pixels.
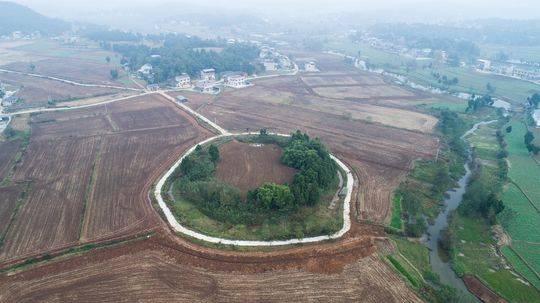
[
  {"x": 7, "y": 98},
  {"x": 18, "y": 35},
  {"x": 206, "y": 83},
  {"x": 507, "y": 69},
  {"x": 272, "y": 60}
]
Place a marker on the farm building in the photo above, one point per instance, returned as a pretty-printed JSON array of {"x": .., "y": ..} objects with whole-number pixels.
[
  {"x": 181, "y": 99},
  {"x": 311, "y": 66},
  {"x": 183, "y": 81},
  {"x": 9, "y": 98},
  {"x": 152, "y": 87},
  {"x": 145, "y": 70},
  {"x": 205, "y": 87},
  {"x": 208, "y": 74},
  {"x": 236, "y": 80},
  {"x": 483, "y": 65},
  {"x": 270, "y": 65},
  {"x": 536, "y": 117}
]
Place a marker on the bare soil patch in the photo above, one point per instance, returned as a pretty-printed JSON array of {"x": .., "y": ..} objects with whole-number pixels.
[
  {"x": 248, "y": 166},
  {"x": 37, "y": 92},
  {"x": 158, "y": 271},
  {"x": 90, "y": 173}
]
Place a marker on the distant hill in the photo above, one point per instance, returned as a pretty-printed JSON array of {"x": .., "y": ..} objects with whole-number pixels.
[{"x": 15, "y": 17}]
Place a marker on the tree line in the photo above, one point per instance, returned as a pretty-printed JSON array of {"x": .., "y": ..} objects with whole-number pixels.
[
  {"x": 180, "y": 54},
  {"x": 195, "y": 181}
]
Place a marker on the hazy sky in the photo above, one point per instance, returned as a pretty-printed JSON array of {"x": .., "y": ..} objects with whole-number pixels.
[{"x": 408, "y": 9}]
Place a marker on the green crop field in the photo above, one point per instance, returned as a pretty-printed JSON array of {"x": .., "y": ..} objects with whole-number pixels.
[
  {"x": 527, "y": 53},
  {"x": 473, "y": 253},
  {"x": 470, "y": 80},
  {"x": 520, "y": 197}
]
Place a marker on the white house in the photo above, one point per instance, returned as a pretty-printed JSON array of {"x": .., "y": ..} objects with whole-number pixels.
[
  {"x": 536, "y": 117},
  {"x": 183, "y": 81},
  {"x": 208, "y": 74},
  {"x": 152, "y": 87},
  {"x": 311, "y": 66},
  {"x": 145, "y": 70},
  {"x": 270, "y": 65},
  {"x": 484, "y": 65},
  {"x": 237, "y": 80},
  {"x": 206, "y": 87}
]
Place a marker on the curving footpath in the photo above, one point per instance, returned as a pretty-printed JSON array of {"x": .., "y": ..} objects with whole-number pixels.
[{"x": 186, "y": 231}]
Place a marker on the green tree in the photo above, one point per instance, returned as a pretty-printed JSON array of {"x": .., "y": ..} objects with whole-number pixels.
[
  {"x": 213, "y": 151},
  {"x": 114, "y": 74},
  {"x": 273, "y": 196}
]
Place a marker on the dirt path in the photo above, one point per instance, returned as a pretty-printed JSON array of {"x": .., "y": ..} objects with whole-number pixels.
[
  {"x": 68, "y": 81},
  {"x": 184, "y": 230}
]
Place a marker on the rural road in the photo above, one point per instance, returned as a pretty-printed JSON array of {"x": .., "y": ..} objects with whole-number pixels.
[
  {"x": 186, "y": 231},
  {"x": 222, "y": 133},
  {"x": 53, "y": 109},
  {"x": 68, "y": 81}
]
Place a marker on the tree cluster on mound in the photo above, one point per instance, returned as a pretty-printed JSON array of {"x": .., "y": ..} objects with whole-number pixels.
[{"x": 197, "y": 184}]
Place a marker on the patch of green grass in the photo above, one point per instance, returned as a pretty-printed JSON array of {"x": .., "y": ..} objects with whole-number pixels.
[
  {"x": 414, "y": 281},
  {"x": 305, "y": 222},
  {"x": 396, "y": 221},
  {"x": 474, "y": 253},
  {"x": 519, "y": 201},
  {"x": 416, "y": 253},
  {"x": 470, "y": 80},
  {"x": 527, "y": 53}
]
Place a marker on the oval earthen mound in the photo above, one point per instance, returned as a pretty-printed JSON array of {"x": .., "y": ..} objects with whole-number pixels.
[{"x": 248, "y": 166}]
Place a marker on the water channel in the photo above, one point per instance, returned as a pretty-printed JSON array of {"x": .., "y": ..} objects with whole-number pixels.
[{"x": 439, "y": 264}]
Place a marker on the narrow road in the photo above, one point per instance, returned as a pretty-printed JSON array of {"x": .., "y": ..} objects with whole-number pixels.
[
  {"x": 196, "y": 114},
  {"x": 68, "y": 81},
  {"x": 54, "y": 109},
  {"x": 186, "y": 231}
]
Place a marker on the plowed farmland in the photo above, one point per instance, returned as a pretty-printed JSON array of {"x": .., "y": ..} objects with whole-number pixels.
[
  {"x": 150, "y": 271},
  {"x": 248, "y": 166},
  {"x": 89, "y": 173},
  {"x": 379, "y": 142},
  {"x": 37, "y": 92},
  {"x": 101, "y": 162}
]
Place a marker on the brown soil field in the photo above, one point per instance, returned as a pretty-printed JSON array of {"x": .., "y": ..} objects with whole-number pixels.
[
  {"x": 8, "y": 150},
  {"x": 341, "y": 79},
  {"x": 361, "y": 92},
  {"x": 481, "y": 291},
  {"x": 36, "y": 92},
  {"x": 90, "y": 173},
  {"x": 9, "y": 195},
  {"x": 247, "y": 166},
  {"x": 155, "y": 270},
  {"x": 121, "y": 148},
  {"x": 73, "y": 69},
  {"x": 380, "y": 154},
  {"x": 58, "y": 172}
]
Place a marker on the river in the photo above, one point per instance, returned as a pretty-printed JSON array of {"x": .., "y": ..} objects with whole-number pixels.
[{"x": 439, "y": 264}]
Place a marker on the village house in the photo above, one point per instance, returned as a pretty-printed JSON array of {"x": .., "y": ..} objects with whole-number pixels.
[
  {"x": 152, "y": 87},
  {"x": 145, "y": 70},
  {"x": 483, "y": 65},
  {"x": 311, "y": 66},
  {"x": 536, "y": 117},
  {"x": 270, "y": 65},
  {"x": 208, "y": 74},
  {"x": 183, "y": 81},
  {"x": 205, "y": 87},
  {"x": 236, "y": 80},
  {"x": 9, "y": 98}
]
